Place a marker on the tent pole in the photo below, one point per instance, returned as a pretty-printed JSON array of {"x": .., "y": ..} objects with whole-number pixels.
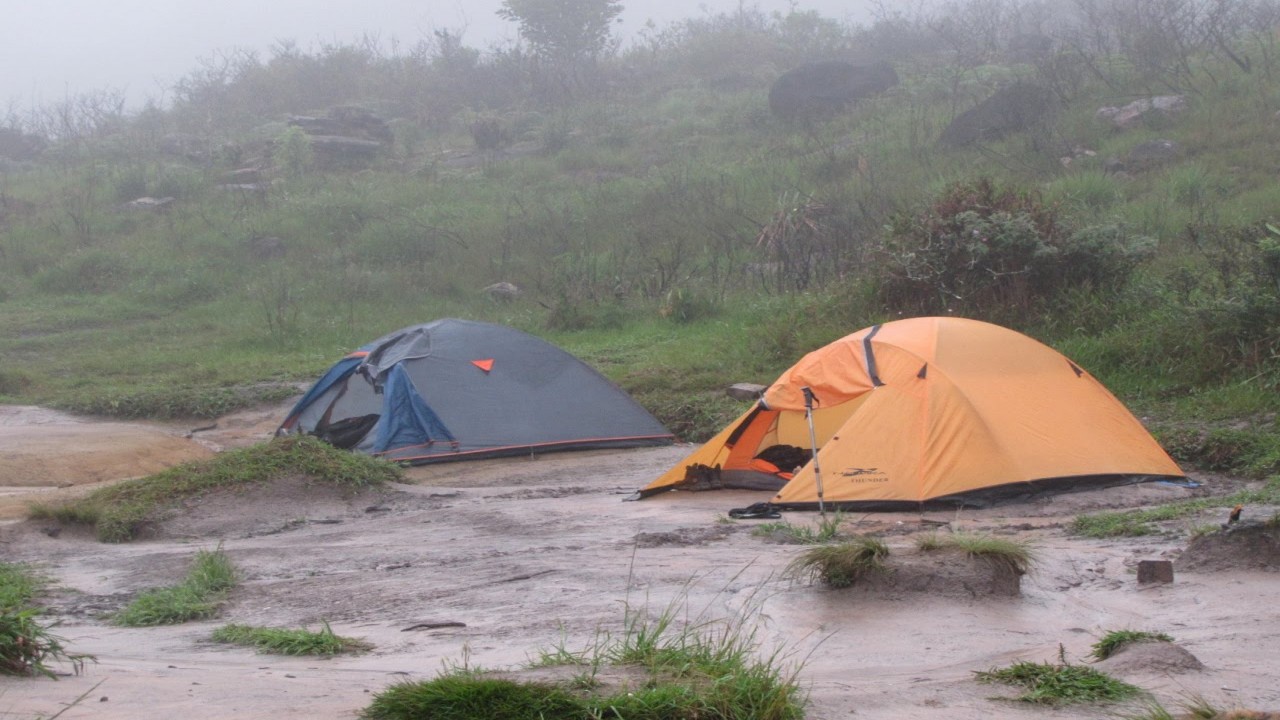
[{"x": 813, "y": 443}]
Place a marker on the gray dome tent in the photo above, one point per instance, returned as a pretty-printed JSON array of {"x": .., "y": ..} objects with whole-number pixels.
[{"x": 458, "y": 389}]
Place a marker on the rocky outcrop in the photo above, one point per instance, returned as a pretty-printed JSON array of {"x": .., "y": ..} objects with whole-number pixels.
[
  {"x": 822, "y": 89},
  {"x": 345, "y": 137}
]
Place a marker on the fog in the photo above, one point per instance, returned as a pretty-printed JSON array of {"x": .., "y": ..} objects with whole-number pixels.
[{"x": 59, "y": 48}]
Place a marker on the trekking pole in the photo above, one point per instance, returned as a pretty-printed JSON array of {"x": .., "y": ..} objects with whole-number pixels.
[{"x": 813, "y": 443}]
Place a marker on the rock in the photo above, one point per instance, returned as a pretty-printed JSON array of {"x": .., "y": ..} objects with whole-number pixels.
[
  {"x": 1155, "y": 571},
  {"x": 267, "y": 248},
  {"x": 502, "y": 292},
  {"x": 243, "y": 176},
  {"x": 1242, "y": 546},
  {"x": 745, "y": 391},
  {"x": 1154, "y": 656},
  {"x": 1160, "y": 107},
  {"x": 1018, "y": 107},
  {"x": 1113, "y": 165},
  {"x": 148, "y": 203},
  {"x": 821, "y": 89},
  {"x": 341, "y": 150},
  {"x": 1150, "y": 154}
]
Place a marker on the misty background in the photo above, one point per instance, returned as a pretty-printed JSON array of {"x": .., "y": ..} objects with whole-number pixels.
[{"x": 141, "y": 47}]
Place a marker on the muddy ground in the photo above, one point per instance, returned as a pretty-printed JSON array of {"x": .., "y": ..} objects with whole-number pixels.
[{"x": 525, "y": 555}]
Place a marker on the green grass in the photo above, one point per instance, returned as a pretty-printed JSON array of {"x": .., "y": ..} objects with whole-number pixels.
[
  {"x": 1014, "y": 555},
  {"x": 286, "y": 641},
  {"x": 1134, "y": 523},
  {"x": 121, "y": 511},
  {"x": 1116, "y": 639},
  {"x": 1048, "y": 684},
  {"x": 828, "y": 529},
  {"x": 18, "y": 586},
  {"x": 840, "y": 565},
  {"x": 27, "y": 648},
  {"x": 467, "y": 696},
  {"x": 1193, "y": 707},
  {"x": 198, "y": 596},
  {"x": 688, "y": 671}
]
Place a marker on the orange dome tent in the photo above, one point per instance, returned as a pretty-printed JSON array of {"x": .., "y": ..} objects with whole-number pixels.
[{"x": 929, "y": 411}]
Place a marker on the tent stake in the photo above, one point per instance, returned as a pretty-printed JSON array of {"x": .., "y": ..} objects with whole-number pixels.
[{"x": 813, "y": 443}]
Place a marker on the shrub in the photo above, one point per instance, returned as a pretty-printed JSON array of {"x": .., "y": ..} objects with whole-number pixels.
[
  {"x": 90, "y": 272},
  {"x": 840, "y": 565},
  {"x": 26, "y": 647},
  {"x": 998, "y": 252}
]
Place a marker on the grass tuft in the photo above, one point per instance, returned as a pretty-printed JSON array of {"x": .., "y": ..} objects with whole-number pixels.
[
  {"x": 198, "y": 596},
  {"x": 1062, "y": 684},
  {"x": 466, "y": 696},
  {"x": 26, "y": 646},
  {"x": 693, "y": 671},
  {"x": 840, "y": 565},
  {"x": 828, "y": 529},
  {"x": 1012, "y": 555},
  {"x": 18, "y": 586},
  {"x": 120, "y": 512},
  {"x": 285, "y": 641},
  {"x": 1116, "y": 639},
  {"x": 1133, "y": 523}
]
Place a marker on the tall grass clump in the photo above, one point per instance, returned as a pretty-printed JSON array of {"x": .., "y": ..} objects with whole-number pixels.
[
  {"x": 1111, "y": 643},
  {"x": 840, "y": 565},
  {"x": 121, "y": 511},
  {"x": 286, "y": 641},
  {"x": 1059, "y": 684},
  {"x": 1135, "y": 523},
  {"x": 686, "y": 671},
  {"x": 1013, "y": 556},
  {"x": 27, "y": 648},
  {"x": 828, "y": 529},
  {"x": 198, "y": 596}
]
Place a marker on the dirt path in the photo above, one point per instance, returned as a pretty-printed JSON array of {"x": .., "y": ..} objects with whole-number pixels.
[{"x": 531, "y": 554}]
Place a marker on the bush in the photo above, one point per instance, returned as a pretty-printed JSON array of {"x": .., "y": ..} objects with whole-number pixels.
[
  {"x": 91, "y": 272},
  {"x": 999, "y": 253}
]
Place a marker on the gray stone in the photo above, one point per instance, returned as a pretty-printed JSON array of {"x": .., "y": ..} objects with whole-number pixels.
[
  {"x": 1150, "y": 154},
  {"x": 822, "y": 89},
  {"x": 502, "y": 292},
  {"x": 1155, "y": 571},
  {"x": 1145, "y": 110},
  {"x": 1018, "y": 107},
  {"x": 745, "y": 391}
]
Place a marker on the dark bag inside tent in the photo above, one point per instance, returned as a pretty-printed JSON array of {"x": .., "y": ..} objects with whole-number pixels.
[{"x": 347, "y": 432}]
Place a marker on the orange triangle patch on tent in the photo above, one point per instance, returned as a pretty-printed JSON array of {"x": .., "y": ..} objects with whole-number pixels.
[{"x": 485, "y": 365}]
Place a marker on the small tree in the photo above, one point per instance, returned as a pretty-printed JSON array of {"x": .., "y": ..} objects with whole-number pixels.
[
  {"x": 564, "y": 31},
  {"x": 293, "y": 153},
  {"x": 566, "y": 36}
]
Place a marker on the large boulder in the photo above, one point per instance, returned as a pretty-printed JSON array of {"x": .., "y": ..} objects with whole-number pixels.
[
  {"x": 822, "y": 89},
  {"x": 1016, "y": 108},
  {"x": 1151, "y": 154}
]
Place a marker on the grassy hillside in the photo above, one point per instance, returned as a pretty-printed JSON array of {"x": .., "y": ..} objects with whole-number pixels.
[{"x": 660, "y": 221}]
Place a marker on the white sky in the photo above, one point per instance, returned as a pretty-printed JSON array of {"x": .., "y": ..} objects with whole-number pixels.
[{"x": 51, "y": 49}]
